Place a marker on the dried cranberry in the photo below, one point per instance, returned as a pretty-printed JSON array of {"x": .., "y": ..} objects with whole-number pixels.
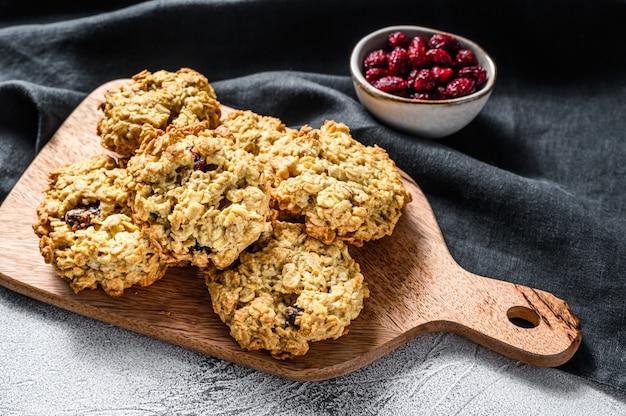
[
  {"x": 442, "y": 75},
  {"x": 79, "y": 218},
  {"x": 465, "y": 57},
  {"x": 460, "y": 87},
  {"x": 391, "y": 85},
  {"x": 373, "y": 74},
  {"x": 199, "y": 163},
  {"x": 200, "y": 248},
  {"x": 424, "y": 81},
  {"x": 418, "y": 58},
  {"x": 397, "y": 39},
  {"x": 291, "y": 313},
  {"x": 446, "y": 42},
  {"x": 439, "y": 57},
  {"x": 477, "y": 73},
  {"x": 418, "y": 43},
  {"x": 399, "y": 63},
  {"x": 376, "y": 59},
  {"x": 420, "y": 96},
  {"x": 417, "y": 52}
]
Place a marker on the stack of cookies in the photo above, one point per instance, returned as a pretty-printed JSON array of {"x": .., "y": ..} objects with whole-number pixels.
[{"x": 265, "y": 211}]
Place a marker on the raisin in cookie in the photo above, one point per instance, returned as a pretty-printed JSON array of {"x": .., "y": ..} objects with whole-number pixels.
[
  {"x": 157, "y": 99},
  {"x": 343, "y": 189},
  {"x": 86, "y": 231},
  {"x": 200, "y": 197},
  {"x": 289, "y": 291}
]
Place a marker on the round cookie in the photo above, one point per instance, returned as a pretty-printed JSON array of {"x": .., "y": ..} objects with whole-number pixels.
[
  {"x": 156, "y": 99},
  {"x": 86, "y": 231},
  {"x": 200, "y": 197},
  {"x": 289, "y": 290},
  {"x": 343, "y": 189}
]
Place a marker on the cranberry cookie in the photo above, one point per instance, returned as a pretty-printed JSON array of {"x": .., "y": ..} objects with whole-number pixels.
[
  {"x": 156, "y": 99},
  {"x": 289, "y": 290},
  {"x": 86, "y": 231},
  {"x": 200, "y": 197},
  {"x": 341, "y": 188}
]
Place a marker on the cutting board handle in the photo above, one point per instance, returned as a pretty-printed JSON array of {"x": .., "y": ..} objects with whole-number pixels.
[{"x": 525, "y": 324}]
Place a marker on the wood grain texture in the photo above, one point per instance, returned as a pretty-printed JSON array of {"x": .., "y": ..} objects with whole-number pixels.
[{"x": 416, "y": 287}]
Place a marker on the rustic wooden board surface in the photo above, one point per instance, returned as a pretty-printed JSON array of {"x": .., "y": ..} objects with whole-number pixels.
[{"x": 416, "y": 287}]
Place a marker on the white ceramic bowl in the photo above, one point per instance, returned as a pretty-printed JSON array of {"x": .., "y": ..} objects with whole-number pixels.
[{"x": 431, "y": 119}]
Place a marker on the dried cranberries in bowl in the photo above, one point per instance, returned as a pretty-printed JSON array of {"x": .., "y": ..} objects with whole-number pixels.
[{"x": 436, "y": 67}]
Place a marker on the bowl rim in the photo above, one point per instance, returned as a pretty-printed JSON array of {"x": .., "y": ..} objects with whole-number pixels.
[{"x": 359, "y": 77}]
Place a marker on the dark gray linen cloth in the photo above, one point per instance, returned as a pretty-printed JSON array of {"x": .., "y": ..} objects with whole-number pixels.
[{"x": 532, "y": 191}]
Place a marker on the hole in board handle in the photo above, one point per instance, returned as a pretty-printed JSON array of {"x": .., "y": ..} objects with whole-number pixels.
[{"x": 523, "y": 317}]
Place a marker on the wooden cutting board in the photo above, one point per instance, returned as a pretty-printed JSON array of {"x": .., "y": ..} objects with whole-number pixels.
[{"x": 416, "y": 287}]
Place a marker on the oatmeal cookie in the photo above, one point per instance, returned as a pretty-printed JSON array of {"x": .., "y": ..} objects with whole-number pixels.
[
  {"x": 256, "y": 133},
  {"x": 156, "y": 99},
  {"x": 201, "y": 198},
  {"x": 290, "y": 290},
  {"x": 343, "y": 189},
  {"x": 86, "y": 231}
]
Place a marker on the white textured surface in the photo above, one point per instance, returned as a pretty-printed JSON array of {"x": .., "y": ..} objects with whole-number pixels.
[{"x": 54, "y": 362}]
